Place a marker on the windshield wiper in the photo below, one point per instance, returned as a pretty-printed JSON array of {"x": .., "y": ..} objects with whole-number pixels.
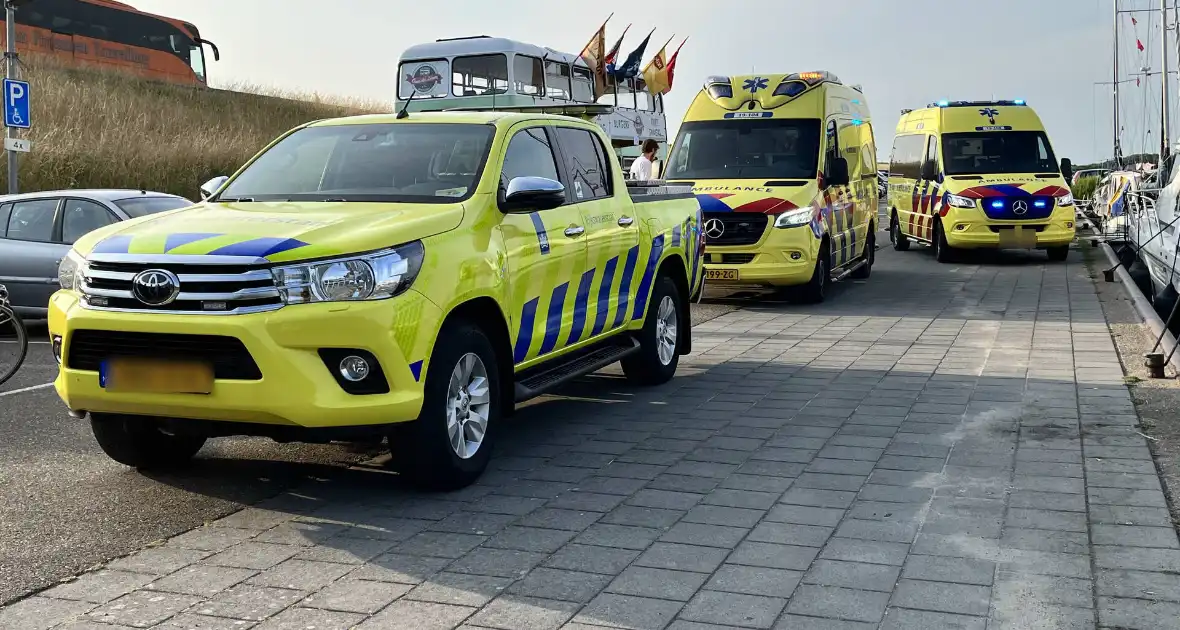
[{"x": 235, "y": 200}]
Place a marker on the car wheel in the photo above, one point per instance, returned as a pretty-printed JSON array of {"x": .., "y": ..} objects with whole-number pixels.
[
  {"x": 141, "y": 443},
  {"x": 943, "y": 252},
  {"x": 450, "y": 444},
  {"x": 816, "y": 288},
  {"x": 659, "y": 341},
  {"x": 870, "y": 255},
  {"x": 1058, "y": 254},
  {"x": 899, "y": 240}
]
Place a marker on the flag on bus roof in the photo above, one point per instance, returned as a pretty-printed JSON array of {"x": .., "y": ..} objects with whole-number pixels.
[
  {"x": 654, "y": 73},
  {"x": 612, "y": 56},
  {"x": 594, "y": 54},
  {"x": 1139, "y": 43},
  {"x": 672, "y": 65},
  {"x": 630, "y": 67}
]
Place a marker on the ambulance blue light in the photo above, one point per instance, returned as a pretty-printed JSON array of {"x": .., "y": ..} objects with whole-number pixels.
[
  {"x": 857, "y": 121},
  {"x": 997, "y": 204},
  {"x": 1040, "y": 203},
  {"x": 1019, "y": 101},
  {"x": 856, "y": 101},
  {"x": 944, "y": 103}
]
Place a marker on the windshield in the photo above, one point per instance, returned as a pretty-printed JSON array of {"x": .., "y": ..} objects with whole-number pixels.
[
  {"x": 997, "y": 152},
  {"x": 746, "y": 149},
  {"x": 386, "y": 162},
  {"x": 143, "y": 206}
]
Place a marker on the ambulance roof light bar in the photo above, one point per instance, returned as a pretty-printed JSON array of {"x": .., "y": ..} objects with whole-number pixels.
[{"x": 945, "y": 103}]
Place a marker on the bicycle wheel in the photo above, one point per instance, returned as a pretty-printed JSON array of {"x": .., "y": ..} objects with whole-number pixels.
[{"x": 14, "y": 343}]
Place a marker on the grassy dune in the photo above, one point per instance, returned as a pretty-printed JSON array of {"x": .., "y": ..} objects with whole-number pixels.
[{"x": 101, "y": 129}]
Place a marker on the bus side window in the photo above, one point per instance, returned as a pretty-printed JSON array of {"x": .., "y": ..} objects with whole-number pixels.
[
  {"x": 557, "y": 80},
  {"x": 477, "y": 75},
  {"x": 528, "y": 75},
  {"x": 583, "y": 85}
]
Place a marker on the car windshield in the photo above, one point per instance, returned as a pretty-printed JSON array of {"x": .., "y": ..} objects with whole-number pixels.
[
  {"x": 143, "y": 206},
  {"x": 997, "y": 152},
  {"x": 387, "y": 162},
  {"x": 746, "y": 149}
]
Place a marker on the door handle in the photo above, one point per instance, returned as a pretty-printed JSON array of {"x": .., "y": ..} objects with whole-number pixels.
[
  {"x": 574, "y": 231},
  {"x": 625, "y": 221}
]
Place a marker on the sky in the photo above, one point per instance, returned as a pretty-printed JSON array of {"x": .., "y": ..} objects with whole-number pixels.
[{"x": 905, "y": 54}]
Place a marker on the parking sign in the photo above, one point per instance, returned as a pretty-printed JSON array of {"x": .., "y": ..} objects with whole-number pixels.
[{"x": 16, "y": 104}]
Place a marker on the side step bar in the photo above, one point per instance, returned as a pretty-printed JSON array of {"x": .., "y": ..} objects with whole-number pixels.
[
  {"x": 533, "y": 384},
  {"x": 847, "y": 271}
]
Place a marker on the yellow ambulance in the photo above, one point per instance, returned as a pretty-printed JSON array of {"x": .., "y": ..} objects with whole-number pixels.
[
  {"x": 785, "y": 169},
  {"x": 978, "y": 174}
]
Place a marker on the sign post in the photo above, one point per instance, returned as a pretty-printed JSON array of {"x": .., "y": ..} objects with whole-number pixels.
[{"x": 10, "y": 72}]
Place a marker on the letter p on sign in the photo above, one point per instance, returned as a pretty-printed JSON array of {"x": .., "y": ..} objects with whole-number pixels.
[{"x": 16, "y": 104}]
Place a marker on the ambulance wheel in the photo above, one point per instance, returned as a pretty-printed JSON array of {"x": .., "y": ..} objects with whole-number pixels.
[
  {"x": 870, "y": 255},
  {"x": 899, "y": 240},
  {"x": 659, "y": 341},
  {"x": 1058, "y": 254},
  {"x": 817, "y": 287},
  {"x": 449, "y": 445},
  {"x": 141, "y": 442},
  {"x": 943, "y": 252}
]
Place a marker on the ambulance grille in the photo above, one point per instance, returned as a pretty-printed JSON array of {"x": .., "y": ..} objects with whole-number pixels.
[
  {"x": 740, "y": 228},
  {"x": 204, "y": 289}
]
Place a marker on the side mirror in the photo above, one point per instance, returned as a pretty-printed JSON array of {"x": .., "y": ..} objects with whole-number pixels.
[
  {"x": 212, "y": 186},
  {"x": 929, "y": 170},
  {"x": 526, "y": 194},
  {"x": 1067, "y": 169},
  {"x": 837, "y": 174}
]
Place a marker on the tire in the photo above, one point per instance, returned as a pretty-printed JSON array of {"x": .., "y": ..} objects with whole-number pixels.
[
  {"x": 899, "y": 240},
  {"x": 816, "y": 288},
  {"x": 659, "y": 341},
  {"x": 943, "y": 252},
  {"x": 427, "y": 450},
  {"x": 12, "y": 355},
  {"x": 1058, "y": 254},
  {"x": 870, "y": 254},
  {"x": 140, "y": 443}
]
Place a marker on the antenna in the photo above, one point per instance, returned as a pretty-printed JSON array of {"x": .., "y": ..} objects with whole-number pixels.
[{"x": 404, "y": 113}]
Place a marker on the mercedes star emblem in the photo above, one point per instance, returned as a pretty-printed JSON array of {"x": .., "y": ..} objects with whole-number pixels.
[
  {"x": 1020, "y": 208},
  {"x": 155, "y": 287},
  {"x": 714, "y": 228}
]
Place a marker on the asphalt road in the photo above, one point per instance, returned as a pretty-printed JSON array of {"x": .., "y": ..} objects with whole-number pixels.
[{"x": 67, "y": 507}]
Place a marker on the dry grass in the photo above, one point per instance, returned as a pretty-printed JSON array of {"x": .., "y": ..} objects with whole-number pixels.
[{"x": 97, "y": 129}]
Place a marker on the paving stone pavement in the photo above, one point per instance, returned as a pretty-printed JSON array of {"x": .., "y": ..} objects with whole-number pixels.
[{"x": 944, "y": 446}]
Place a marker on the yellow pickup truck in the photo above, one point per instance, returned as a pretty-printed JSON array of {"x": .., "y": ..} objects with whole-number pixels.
[{"x": 410, "y": 277}]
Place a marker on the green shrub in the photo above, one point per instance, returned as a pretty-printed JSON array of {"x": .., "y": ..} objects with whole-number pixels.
[{"x": 1085, "y": 187}]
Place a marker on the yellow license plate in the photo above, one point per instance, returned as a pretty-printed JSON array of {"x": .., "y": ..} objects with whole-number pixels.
[
  {"x": 721, "y": 274},
  {"x": 1018, "y": 238},
  {"x": 152, "y": 376}
]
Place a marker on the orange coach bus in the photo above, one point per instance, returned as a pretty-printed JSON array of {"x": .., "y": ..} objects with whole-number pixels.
[{"x": 113, "y": 35}]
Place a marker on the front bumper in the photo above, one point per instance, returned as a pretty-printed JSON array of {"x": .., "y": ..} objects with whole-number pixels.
[
  {"x": 967, "y": 230},
  {"x": 296, "y": 389},
  {"x": 783, "y": 257}
]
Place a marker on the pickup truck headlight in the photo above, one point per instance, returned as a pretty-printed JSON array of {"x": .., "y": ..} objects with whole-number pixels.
[
  {"x": 1065, "y": 200},
  {"x": 372, "y": 277},
  {"x": 794, "y": 218},
  {"x": 959, "y": 201},
  {"x": 70, "y": 271}
]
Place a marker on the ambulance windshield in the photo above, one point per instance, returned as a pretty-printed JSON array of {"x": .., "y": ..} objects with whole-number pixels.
[
  {"x": 984, "y": 153},
  {"x": 746, "y": 149}
]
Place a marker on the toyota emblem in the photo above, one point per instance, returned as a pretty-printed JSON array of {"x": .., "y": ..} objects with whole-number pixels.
[
  {"x": 155, "y": 287},
  {"x": 714, "y": 228},
  {"x": 1020, "y": 208}
]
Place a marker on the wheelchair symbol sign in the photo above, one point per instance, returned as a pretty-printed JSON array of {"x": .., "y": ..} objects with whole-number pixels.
[{"x": 16, "y": 104}]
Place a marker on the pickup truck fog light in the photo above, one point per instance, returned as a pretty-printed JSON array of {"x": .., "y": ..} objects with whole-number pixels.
[
  {"x": 796, "y": 255},
  {"x": 56, "y": 345},
  {"x": 354, "y": 369},
  {"x": 960, "y": 227},
  {"x": 1069, "y": 225}
]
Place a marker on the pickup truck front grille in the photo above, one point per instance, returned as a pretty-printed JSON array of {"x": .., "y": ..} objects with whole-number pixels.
[
  {"x": 203, "y": 289},
  {"x": 87, "y": 349}
]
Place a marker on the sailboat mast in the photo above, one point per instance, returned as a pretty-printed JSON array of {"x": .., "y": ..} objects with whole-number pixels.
[
  {"x": 1165, "y": 138},
  {"x": 1117, "y": 157}
]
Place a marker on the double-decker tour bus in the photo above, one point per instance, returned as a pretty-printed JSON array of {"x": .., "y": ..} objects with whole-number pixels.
[
  {"x": 482, "y": 73},
  {"x": 111, "y": 34}
]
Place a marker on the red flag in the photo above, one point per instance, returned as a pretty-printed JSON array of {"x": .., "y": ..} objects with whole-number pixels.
[
  {"x": 1139, "y": 43},
  {"x": 672, "y": 65},
  {"x": 612, "y": 57}
]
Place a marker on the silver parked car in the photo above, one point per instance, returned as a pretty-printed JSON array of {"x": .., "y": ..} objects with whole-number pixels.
[{"x": 37, "y": 230}]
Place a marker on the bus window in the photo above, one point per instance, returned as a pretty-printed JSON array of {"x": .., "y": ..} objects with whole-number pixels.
[
  {"x": 479, "y": 75},
  {"x": 583, "y": 85},
  {"x": 557, "y": 80},
  {"x": 528, "y": 76},
  {"x": 196, "y": 60},
  {"x": 643, "y": 100},
  {"x": 626, "y": 94}
]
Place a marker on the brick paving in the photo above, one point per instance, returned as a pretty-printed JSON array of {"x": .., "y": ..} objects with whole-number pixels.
[{"x": 945, "y": 446}]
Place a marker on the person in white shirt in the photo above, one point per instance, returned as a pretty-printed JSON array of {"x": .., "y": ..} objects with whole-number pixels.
[{"x": 641, "y": 168}]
